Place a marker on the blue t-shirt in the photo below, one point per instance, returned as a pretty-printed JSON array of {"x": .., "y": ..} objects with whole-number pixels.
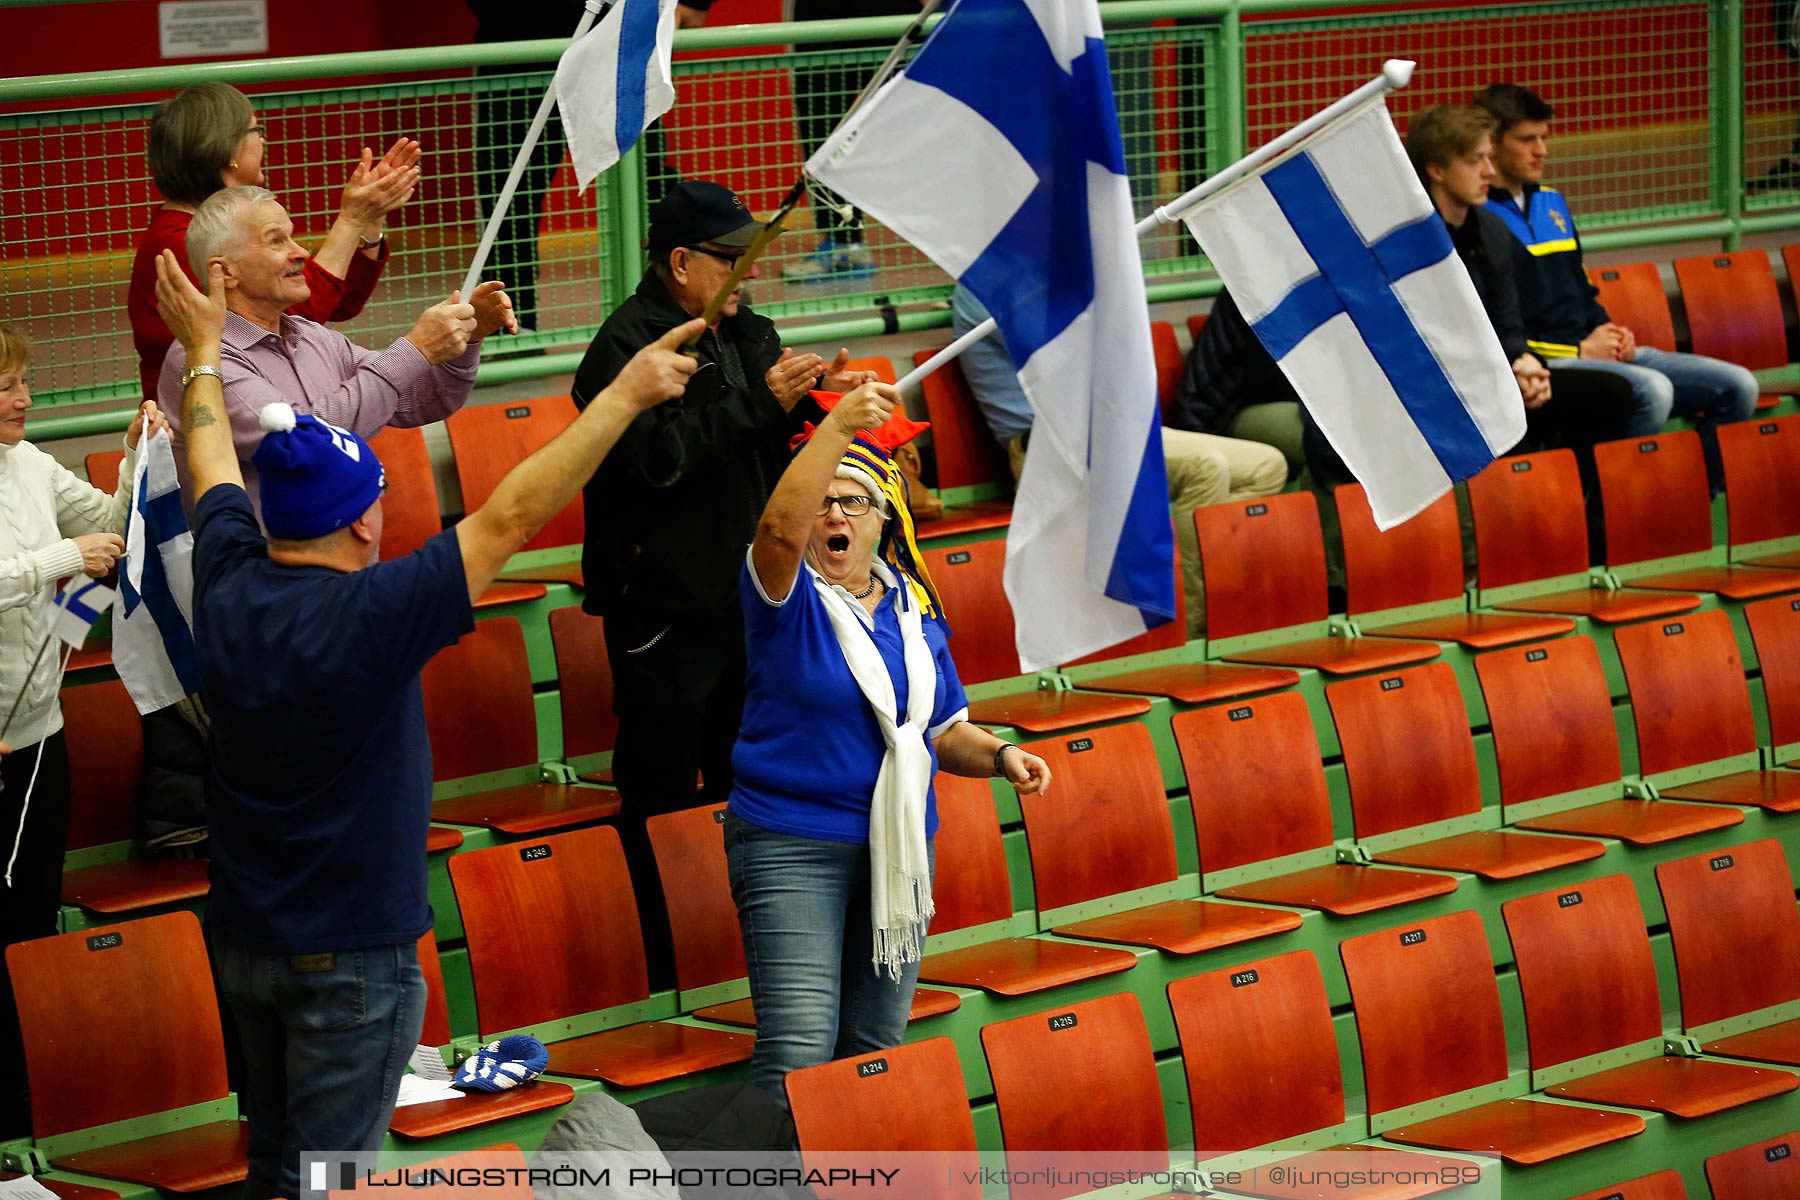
[
  {"x": 809, "y": 749},
  {"x": 319, "y": 791}
]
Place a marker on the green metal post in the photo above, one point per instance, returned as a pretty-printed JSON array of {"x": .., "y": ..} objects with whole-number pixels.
[
  {"x": 625, "y": 196},
  {"x": 1727, "y": 116},
  {"x": 1231, "y": 142}
]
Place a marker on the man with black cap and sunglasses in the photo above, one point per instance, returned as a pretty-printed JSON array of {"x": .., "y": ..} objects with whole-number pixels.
[{"x": 669, "y": 515}]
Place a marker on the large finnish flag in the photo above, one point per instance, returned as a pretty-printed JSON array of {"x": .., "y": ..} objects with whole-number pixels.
[
  {"x": 616, "y": 80},
  {"x": 1340, "y": 263},
  {"x": 153, "y": 640},
  {"x": 997, "y": 153}
]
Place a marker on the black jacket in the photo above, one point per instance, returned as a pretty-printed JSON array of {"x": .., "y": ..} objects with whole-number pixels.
[
  {"x": 1487, "y": 249},
  {"x": 672, "y": 509},
  {"x": 1228, "y": 370}
]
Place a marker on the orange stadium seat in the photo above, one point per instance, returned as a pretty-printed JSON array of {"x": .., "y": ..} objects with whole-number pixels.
[
  {"x": 1664, "y": 1185},
  {"x": 1428, "y": 1019},
  {"x": 1261, "y": 1059},
  {"x": 908, "y": 1099},
  {"x": 1531, "y": 529},
  {"x": 1659, "y": 521},
  {"x": 1775, "y": 629},
  {"x": 1767, "y": 1170},
  {"x": 1734, "y": 309},
  {"x": 967, "y": 454},
  {"x": 1420, "y": 562},
  {"x": 1195, "y": 323},
  {"x": 1762, "y": 459},
  {"x": 553, "y": 934},
  {"x": 1632, "y": 295},
  {"x": 1410, "y": 762},
  {"x": 1107, "y": 1100},
  {"x": 437, "y": 1117},
  {"x": 1589, "y": 983},
  {"x": 1103, "y": 833},
  {"x": 1727, "y": 908},
  {"x": 973, "y": 896},
  {"x": 482, "y": 718},
  {"x": 1557, "y": 749},
  {"x": 1257, "y": 790},
  {"x": 105, "y": 738},
  {"x": 409, "y": 508},
  {"x": 1264, "y": 563},
  {"x": 103, "y": 469},
  {"x": 1169, "y": 363},
  {"x": 121, "y": 1024},
  {"x": 1692, "y": 710},
  {"x": 492, "y": 439},
  {"x": 584, "y": 686},
  {"x": 709, "y": 951},
  {"x": 969, "y": 581}
]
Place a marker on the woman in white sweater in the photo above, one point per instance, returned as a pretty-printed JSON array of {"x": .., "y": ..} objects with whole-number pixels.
[{"x": 52, "y": 524}]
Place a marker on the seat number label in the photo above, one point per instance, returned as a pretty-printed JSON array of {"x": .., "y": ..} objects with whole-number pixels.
[
  {"x": 1673, "y": 628},
  {"x": 1412, "y": 937},
  {"x": 1536, "y": 655},
  {"x": 533, "y": 853},
  {"x": 1721, "y": 862},
  {"x": 957, "y": 559},
  {"x": 1568, "y": 900},
  {"x": 1080, "y": 744},
  {"x": 1519, "y": 467},
  {"x": 1393, "y": 685},
  {"x": 106, "y": 941},
  {"x": 718, "y": 816},
  {"x": 1721, "y": 262},
  {"x": 1768, "y": 428},
  {"x": 1245, "y": 712},
  {"x": 872, "y": 1068},
  {"x": 1778, "y": 1152},
  {"x": 1244, "y": 978},
  {"x": 1256, "y": 510},
  {"x": 1066, "y": 1020},
  {"x": 1648, "y": 447},
  {"x": 518, "y": 411}
]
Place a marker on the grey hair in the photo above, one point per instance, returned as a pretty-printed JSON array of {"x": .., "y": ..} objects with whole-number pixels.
[{"x": 214, "y": 228}]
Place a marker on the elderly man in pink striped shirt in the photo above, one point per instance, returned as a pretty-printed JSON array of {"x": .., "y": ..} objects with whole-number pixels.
[{"x": 269, "y": 355}]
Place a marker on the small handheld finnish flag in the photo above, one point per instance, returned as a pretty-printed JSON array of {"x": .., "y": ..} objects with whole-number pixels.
[
  {"x": 77, "y": 606},
  {"x": 153, "y": 641},
  {"x": 613, "y": 82}
]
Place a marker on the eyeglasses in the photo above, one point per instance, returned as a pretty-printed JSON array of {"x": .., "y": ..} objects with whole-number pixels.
[
  {"x": 259, "y": 129},
  {"x": 718, "y": 254},
  {"x": 852, "y": 505}
]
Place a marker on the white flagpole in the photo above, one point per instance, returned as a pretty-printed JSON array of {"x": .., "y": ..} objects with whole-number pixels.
[
  {"x": 1396, "y": 73},
  {"x": 593, "y": 10}
]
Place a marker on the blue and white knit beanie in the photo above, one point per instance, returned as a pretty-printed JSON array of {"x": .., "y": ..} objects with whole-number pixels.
[
  {"x": 316, "y": 478},
  {"x": 502, "y": 1064}
]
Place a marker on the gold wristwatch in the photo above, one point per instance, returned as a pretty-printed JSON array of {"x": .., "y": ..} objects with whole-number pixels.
[{"x": 193, "y": 373}]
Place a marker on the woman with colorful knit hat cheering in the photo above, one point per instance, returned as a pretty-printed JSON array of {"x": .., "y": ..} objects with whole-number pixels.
[{"x": 852, "y": 704}]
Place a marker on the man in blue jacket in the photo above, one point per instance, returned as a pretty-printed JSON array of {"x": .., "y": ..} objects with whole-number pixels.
[{"x": 1564, "y": 322}]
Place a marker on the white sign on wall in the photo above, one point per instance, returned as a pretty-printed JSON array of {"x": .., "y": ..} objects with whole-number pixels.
[{"x": 206, "y": 28}]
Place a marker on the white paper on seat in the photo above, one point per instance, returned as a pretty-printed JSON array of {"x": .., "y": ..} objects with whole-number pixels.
[
  {"x": 25, "y": 1188},
  {"x": 416, "y": 1089},
  {"x": 427, "y": 1063}
]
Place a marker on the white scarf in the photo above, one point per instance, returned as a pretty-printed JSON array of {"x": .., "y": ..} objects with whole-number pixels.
[{"x": 899, "y": 864}]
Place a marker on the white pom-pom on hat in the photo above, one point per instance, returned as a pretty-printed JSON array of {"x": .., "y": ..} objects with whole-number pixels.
[{"x": 277, "y": 417}]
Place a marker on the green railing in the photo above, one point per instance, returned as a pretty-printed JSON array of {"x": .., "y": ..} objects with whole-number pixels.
[{"x": 1671, "y": 115}]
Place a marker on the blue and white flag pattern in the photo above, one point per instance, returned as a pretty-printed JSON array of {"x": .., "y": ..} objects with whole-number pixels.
[
  {"x": 153, "y": 640},
  {"x": 997, "y": 153},
  {"x": 76, "y": 607},
  {"x": 1340, "y": 263},
  {"x": 616, "y": 80}
]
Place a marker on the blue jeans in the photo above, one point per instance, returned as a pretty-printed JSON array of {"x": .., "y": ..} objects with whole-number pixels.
[
  {"x": 989, "y": 369},
  {"x": 803, "y": 909},
  {"x": 326, "y": 1038},
  {"x": 1692, "y": 385}
]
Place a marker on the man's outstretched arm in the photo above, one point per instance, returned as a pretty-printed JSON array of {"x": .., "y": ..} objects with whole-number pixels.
[
  {"x": 198, "y": 321},
  {"x": 538, "y": 488}
]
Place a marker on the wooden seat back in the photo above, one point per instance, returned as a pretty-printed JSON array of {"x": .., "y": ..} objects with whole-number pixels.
[
  {"x": 478, "y": 706},
  {"x": 1585, "y": 969},
  {"x": 1552, "y": 718},
  {"x": 1733, "y": 307},
  {"x": 967, "y": 451},
  {"x": 1408, "y": 754},
  {"x": 1427, "y": 1010},
  {"x": 1416, "y": 562},
  {"x": 105, "y": 740},
  {"x": 971, "y": 885},
  {"x": 969, "y": 581},
  {"x": 584, "y": 682},
  {"x": 1195, "y": 323},
  {"x": 1264, "y": 564},
  {"x": 1767, "y": 1170},
  {"x": 103, "y": 469},
  {"x": 703, "y": 922},
  {"x": 492, "y": 439},
  {"x": 1655, "y": 495},
  {"x": 552, "y": 928},
  {"x": 881, "y": 364},
  {"x": 119, "y": 1022},
  {"x": 1730, "y": 908},
  {"x": 1169, "y": 364},
  {"x": 1259, "y": 1052},
  {"x": 436, "y": 1031},
  {"x": 1762, "y": 460},
  {"x": 1529, "y": 520},
  {"x": 1632, "y": 295},
  {"x": 1775, "y": 628},
  {"x": 1255, "y": 782},
  {"x": 1688, "y": 696},
  {"x": 409, "y": 507}
]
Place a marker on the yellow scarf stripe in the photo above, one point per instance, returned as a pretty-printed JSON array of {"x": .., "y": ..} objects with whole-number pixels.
[{"x": 903, "y": 548}]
